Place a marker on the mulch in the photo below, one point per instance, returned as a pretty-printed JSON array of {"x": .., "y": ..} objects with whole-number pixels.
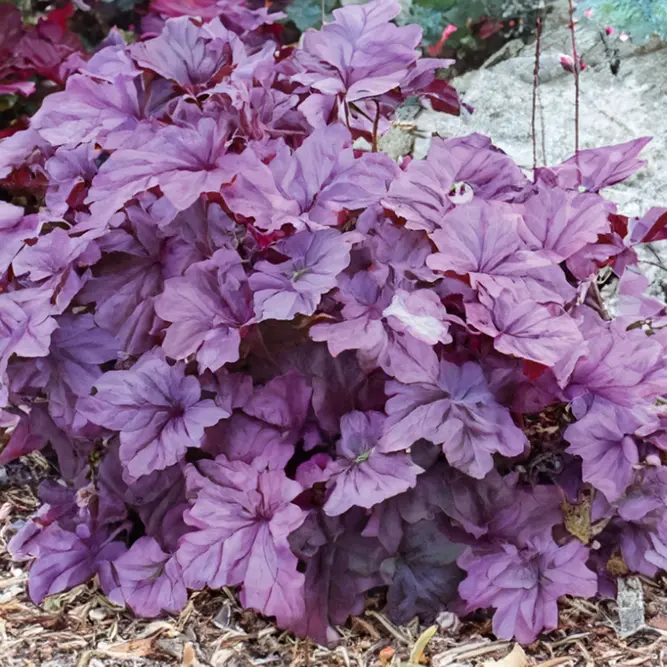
[{"x": 80, "y": 628}]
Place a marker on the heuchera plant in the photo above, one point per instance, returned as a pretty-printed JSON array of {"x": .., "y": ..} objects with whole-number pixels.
[{"x": 264, "y": 358}]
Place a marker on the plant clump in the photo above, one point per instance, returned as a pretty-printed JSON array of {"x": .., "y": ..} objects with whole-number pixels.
[{"x": 263, "y": 357}]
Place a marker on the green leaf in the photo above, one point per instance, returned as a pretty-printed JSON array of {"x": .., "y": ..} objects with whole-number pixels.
[
  {"x": 417, "y": 652},
  {"x": 308, "y": 13},
  {"x": 441, "y": 5},
  {"x": 431, "y": 20}
]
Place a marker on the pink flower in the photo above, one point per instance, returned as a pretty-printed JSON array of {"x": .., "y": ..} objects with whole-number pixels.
[
  {"x": 446, "y": 34},
  {"x": 567, "y": 63}
]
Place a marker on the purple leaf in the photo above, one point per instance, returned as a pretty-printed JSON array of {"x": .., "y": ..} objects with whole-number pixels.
[
  {"x": 360, "y": 54},
  {"x": 603, "y": 439},
  {"x": 376, "y": 326},
  {"x": 68, "y": 169},
  {"x": 335, "y": 382},
  {"x": 15, "y": 229},
  {"x": 342, "y": 565},
  {"x": 486, "y": 169},
  {"x": 242, "y": 520},
  {"x": 26, "y": 326},
  {"x": 597, "y": 168},
  {"x": 151, "y": 581},
  {"x": 52, "y": 262},
  {"x": 313, "y": 471},
  {"x": 425, "y": 191},
  {"x": 640, "y": 523},
  {"x": 157, "y": 409},
  {"x": 194, "y": 56},
  {"x": 621, "y": 366},
  {"x": 297, "y": 285},
  {"x": 26, "y": 323},
  {"x": 524, "y": 584},
  {"x": 252, "y": 441},
  {"x": 24, "y": 439},
  {"x": 481, "y": 240},
  {"x": 420, "y": 314},
  {"x": 364, "y": 302},
  {"x": 520, "y": 328},
  {"x": 421, "y": 193},
  {"x": 130, "y": 276},
  {"x": 65, "y": 559},
  {"x": 397, "y": 252},
  {"x": 184, "y": 162},
  {"x": 361, "y": 475},
  {"x": 313, "y": 184},
  {"x": 207, "y": 307},
  {"x": 423, "y": 575},
  {"x": 562, "y": 223},
  {"x": 283, "y": 401},
  {"x": 455, "y": 409},
  {"x": 78, "y": 349},
  {"x": 88, "y": 110}
]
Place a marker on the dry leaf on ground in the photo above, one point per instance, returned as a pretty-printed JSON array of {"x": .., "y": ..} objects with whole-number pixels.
[
  {"x": 659, "y": 622},
  {"x": 189, "y": 656},
  {"x": 136, "y": 648}
]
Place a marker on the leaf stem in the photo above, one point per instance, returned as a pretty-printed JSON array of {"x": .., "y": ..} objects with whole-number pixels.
[
  {"x": 577, "y": 67},
  {"x": 376, "y": 122},
  {"x": 347, "y": 114},
  {"x": 536, "y": 83}
]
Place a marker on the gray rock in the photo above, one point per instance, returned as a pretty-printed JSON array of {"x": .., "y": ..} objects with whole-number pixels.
[
  {"x": 630, "y": 599},
  {"x": 396, "y": 143}
]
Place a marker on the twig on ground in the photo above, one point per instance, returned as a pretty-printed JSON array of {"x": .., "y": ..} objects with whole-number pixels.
[
  {"x": 390, "y": 627},
  {"x": 557, "y": 662},
  {"x": 368, "y": 627},
  {"x": 570, "y": 639},
  {"x": 582, "y": 606},
  {"x": 470, "y": 650},
  {"x": 579, "y": 644}
]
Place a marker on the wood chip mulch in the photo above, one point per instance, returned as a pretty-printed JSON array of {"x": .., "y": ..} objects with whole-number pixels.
[{"x": 81, "y": 628}]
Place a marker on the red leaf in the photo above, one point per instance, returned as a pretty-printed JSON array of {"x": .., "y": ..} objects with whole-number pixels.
[
  {"x": 532, "y": 370},
  {"x": 61, "y": 15},
  {"x": 619, "y": 224},
  {"x": 658, "y": 230},
  {"x": 443, "y": 97}
]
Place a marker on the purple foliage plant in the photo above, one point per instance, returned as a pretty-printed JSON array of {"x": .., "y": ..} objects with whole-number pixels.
[{"x": 264, "y": 357}]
